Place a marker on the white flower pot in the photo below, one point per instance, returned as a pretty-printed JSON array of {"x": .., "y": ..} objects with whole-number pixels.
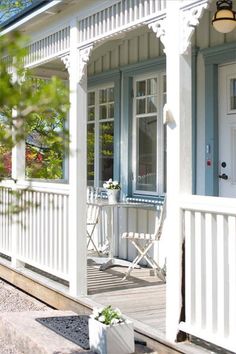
[
  {"x": 113, "y": 195},
  {"x": 113, "y": 339}
]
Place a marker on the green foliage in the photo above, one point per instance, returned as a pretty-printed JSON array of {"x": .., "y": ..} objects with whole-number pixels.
[
  {"x": 39, "y": 109},
  {"x": 107, "y": 315},
  {"x": 9, "y": 8}
]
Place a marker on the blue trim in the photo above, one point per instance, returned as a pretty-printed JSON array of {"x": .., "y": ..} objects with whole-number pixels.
[
  {"x": 98, "y": 80},
  {"x": 129, "y": 72},
  {"x": 145, "y": 67},
  {"x": 225, "y": 53},
  {"x": 126, "y": 134}
]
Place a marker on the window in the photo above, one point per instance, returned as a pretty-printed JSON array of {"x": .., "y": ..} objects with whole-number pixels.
[
  {"x": 100, "y": 138},
  {"x": 148, "y": 135}
]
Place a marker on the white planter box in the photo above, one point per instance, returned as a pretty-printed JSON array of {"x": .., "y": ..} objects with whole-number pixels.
[{"x": 116, "y": 339}]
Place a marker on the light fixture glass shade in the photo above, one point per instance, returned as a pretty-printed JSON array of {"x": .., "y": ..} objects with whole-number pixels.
[{"x": 224, "y": 21}]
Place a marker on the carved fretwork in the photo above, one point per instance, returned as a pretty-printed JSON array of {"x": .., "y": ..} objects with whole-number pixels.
[
  {"x": 159, "y": 28},
  {"x": 66, "y": 61},
  {"x": 84, "y": 55},
  {"x": 190, "y": 20}
]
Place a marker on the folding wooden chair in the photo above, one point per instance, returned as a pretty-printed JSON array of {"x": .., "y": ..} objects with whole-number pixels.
[
  {"x": 93, "y": 213},
  {"x": 144, "y": 241}
]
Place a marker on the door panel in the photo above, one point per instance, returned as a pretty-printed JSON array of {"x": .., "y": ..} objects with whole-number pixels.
[{"x": 227, "y": 131}]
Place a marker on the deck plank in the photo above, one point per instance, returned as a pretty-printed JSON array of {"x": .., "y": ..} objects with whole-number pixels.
[{"x": 141, "y": 296}]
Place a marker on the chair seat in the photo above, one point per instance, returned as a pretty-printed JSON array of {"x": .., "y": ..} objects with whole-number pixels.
[{"x": 138, "y": 235}]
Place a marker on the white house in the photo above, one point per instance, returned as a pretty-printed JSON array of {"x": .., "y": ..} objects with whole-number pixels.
[{"x": 126, "y": 60}]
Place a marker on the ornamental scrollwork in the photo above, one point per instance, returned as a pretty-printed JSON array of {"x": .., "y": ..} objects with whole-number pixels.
[
  {"x": 66, "y": 61},
  {"x": 190, "y": 20},
  {"x": 159, "y": 28},
  {"x": 84, "y": 55}
]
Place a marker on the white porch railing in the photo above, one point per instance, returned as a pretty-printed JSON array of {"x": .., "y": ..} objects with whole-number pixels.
[
  {"x": 41, "y": 229},
  {"x": 5, "y": 221},
  {"x": 209, "y": 226}
]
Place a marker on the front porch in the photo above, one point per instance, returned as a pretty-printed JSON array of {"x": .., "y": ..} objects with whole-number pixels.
[{"x": 122, "y": 73}]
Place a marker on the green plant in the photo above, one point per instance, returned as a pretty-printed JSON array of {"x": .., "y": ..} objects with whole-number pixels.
[
  {"x": 111, "y": 184},
  {"x": 107, "y": 315}
]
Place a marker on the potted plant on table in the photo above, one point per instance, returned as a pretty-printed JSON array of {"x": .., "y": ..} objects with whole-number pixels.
[
  {"x": 110, "y": 333},
  {"x": 113, "y": 190}
]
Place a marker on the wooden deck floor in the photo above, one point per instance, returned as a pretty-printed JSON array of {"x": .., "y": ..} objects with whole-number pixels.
[{"x": 141, "y": 296}]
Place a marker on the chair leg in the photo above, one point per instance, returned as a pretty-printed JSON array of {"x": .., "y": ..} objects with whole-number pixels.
[
  {"x": 132, "y": 266},
  {"x": 91, "y": 240},
  {"x": 143, "y": 253}
]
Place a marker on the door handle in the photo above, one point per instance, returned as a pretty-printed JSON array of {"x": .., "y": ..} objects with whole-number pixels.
[{"x": 223, "y": 176}]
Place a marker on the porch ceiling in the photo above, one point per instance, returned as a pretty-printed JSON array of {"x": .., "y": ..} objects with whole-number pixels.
[{"x": 52, "y": 68}]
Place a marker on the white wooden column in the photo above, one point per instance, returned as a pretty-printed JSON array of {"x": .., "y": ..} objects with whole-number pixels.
[
  {"x": 179, "y": 157},
  {"x": 18, "y": 173},
  {"x": 77, "y": 168}
]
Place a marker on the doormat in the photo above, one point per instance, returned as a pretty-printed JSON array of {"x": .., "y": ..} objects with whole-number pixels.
[{"x": 73, "y": 328}]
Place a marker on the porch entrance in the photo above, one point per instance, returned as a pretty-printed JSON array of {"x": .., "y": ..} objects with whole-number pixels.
[{"x": 227, "y": 130}]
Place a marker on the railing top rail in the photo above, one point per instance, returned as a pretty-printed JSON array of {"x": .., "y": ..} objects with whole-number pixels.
[
  {"x": 216, "y": 205},
  {"x": 37, "y": 186}
]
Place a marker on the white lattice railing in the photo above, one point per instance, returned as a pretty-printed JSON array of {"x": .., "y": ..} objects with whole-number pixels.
[
  {"x": 41, "y": 228},
  {"x": 50, "y": 46},
  {"x": 210, "y": 268},
  {"x": 123, "y": 14}
]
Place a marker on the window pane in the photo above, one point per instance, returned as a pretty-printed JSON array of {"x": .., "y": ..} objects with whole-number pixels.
[
  {"x": 151, "y": 86},
  {"x": 151, "y": 104},
  {"x": 141, "y": 106},
  {"x": 146, "y": 153},
  {"x": 91, "y": 98},
  {"x": 141, "y": 88},
  {"x": 232, "y": 94},
  {"x": 91, "y": 113},
  {"x": 106, "y": 152},
  {"x": 110, "y": 94},
  {"x": 111, "y": 110},
  {"x": 90, "y": 154},
  {"x": 103, "y": 112},
  {"x": 103, "y": 96}
]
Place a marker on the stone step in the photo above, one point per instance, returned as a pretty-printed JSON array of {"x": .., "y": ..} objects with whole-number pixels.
[{"x": 31, "y": 337}]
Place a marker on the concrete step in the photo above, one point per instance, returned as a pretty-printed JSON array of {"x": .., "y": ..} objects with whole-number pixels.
[{"x": 31, "y": 337}]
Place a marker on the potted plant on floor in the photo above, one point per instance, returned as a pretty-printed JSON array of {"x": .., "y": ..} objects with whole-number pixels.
[{"x": 110, "y": 333}]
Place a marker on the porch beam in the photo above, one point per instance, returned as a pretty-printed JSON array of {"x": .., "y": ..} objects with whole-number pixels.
[
  {"x": 77, "y": 169},
  {"x": 179, "y": 159}
]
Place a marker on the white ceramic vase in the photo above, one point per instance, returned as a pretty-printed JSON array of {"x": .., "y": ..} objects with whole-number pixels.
[
  {"x": 113, "y": 339},
  {"x": 113, "y": 195}
]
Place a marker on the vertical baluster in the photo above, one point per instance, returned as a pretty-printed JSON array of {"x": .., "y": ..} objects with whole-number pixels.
[
  {"x": 42, "y": 228},
  {"x": 211, "y": 280},
  {"x": 55, "y": 231},
  {"x": 190, "y": 270},
  {"x": 232, "y": 276},
  {"x": 146, "y": 8},
  {"x": 34, "y": 236},
  {"x": 117, "y": 7},
  {"x": 135, "y": 10},
  {"x": 220, "y": 276},
  {"x": 199, "y": 246},
  {"x": 38, "y": 228},
  {"x": 65, "y": 234},
  {"x": 46, "y": 229},
  {"x": 60, "y": 228},
  {"x": 51, "y": 250}
]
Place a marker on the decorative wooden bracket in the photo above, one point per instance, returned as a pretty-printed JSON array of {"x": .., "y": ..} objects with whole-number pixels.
[{"x": 84, "y": 55}]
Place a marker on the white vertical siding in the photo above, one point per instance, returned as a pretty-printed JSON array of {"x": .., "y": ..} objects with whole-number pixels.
[{"x": 140, "y": 46}]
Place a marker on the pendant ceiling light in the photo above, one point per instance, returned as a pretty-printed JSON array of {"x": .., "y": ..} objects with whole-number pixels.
[{"x": 224, "y": 20}]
